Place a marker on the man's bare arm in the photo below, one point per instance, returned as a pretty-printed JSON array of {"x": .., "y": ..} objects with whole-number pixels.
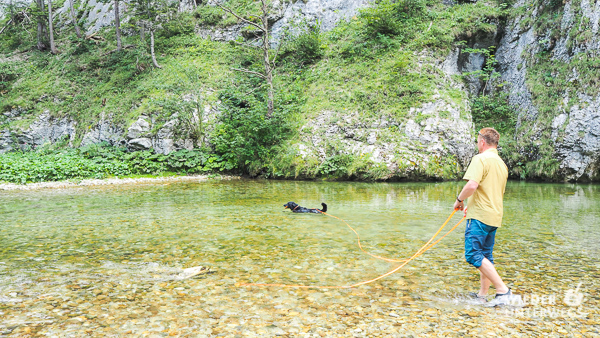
[{"x": 467, "y": 192}]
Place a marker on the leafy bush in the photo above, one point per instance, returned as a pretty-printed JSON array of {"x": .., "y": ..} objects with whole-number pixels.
[
  {"x": 389, "y": 16},
  {"x": 8, "y": 74},
  {"x": 182, "y": 25},
  {"x": 97, "y": 161},
  {"x": 494, "y": 111},
  {"x": 211, "y": 16},
  {"x": 336, "y": 166},
  {"x": 245, "y": 137},
  {"x": 305, "y": 47}
]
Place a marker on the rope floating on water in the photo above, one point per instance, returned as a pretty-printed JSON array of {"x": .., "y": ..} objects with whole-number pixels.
[{"x": 419, "y": 252}]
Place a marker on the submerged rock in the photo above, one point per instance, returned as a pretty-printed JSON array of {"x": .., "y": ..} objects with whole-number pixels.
[{"x": 192, "y": 272}]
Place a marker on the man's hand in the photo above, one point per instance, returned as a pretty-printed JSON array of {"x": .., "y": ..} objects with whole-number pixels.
[
  {"x": 467, "y": 191},
  {"x": 459, "y": 205}
]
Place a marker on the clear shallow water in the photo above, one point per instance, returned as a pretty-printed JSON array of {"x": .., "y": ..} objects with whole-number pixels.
[{"x": 105, "y": 260}]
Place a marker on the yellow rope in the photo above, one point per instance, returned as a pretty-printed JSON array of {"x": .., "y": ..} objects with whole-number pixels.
[{"x": 419, "y": 252}]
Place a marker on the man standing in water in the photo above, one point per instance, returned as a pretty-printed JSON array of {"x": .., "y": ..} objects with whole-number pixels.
[{"x": 486, "y": 176}]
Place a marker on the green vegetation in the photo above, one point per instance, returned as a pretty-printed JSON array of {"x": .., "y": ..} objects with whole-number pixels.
[
  {"x": 553, "y": 84},
  {"x": 373, "y": 64},
  {"x": 99, "y": 161}
]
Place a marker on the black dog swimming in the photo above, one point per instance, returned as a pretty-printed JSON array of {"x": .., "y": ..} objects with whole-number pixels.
[{"x": 296, "y": 208}]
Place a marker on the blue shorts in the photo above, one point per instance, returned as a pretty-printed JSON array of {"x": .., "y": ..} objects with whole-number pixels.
[{"x": 479, "y": 242}]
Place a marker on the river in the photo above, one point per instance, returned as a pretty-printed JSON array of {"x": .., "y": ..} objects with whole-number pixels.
[{"x": 109, "y": 260}]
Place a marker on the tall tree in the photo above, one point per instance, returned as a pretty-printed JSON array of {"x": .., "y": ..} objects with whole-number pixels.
[
  {"x": 118, "y": 26},
  {"x": 41, "y": 25},
  {"x": 74, "y": 19},
  {"x": 268, "y": 57},
  {"x": 53, "y": 49},
  {"x": 152, "y": 53},
  {"x": 150, "y": 15},
  {"x": 12, "y": 12}
]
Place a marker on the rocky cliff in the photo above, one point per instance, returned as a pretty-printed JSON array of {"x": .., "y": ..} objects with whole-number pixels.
[
  {"x": 547, "y": 59},
  {"x": 549, "y": 56}
]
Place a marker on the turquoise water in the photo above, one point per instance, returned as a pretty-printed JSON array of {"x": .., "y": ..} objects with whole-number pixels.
[{"x": 106, "y": 260}]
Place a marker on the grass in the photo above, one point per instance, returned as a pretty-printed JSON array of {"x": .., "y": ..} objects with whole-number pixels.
[
  {"x": 125, "y": 85},
  {"x": 380, "y": 63}
]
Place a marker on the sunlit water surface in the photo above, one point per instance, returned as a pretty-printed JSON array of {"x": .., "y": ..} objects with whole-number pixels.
[{"x": 105, "y": 261}]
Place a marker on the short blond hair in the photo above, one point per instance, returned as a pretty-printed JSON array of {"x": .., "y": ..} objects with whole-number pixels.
[{"x": 490, "y": 135}]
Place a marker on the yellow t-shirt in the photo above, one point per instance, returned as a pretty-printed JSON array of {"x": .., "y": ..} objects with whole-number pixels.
[{"x": 491, "y": 173}]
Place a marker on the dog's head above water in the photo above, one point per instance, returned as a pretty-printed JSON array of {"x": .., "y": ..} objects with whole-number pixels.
[
  {"x": 290, "y": 205},
  {"x": 296, "y": 208}
]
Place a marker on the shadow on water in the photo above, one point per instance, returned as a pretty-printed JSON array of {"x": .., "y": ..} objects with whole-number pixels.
[{"x": 109, "y": 255}]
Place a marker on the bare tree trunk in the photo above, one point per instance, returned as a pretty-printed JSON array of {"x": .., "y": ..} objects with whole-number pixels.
[
  {"x": 41, "y": 45},
  {"x": 51, "y": 29},
  {"x": 12, "y": 12},
  {"x": 267, "y": 59},
  {"x": 265, "y": 48},
  {"x": 74, "y": 18},
  {"x": 142, "y": 31},
  {"x": 118, "y": 26},
  {"x": 152, "y": 49},
  {"x": 194, "y": 4}
]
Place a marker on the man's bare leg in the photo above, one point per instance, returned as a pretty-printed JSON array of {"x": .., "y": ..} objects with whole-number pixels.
[
  {"x": 485, "y": 285},
  {"x": 489, "y": 271}
]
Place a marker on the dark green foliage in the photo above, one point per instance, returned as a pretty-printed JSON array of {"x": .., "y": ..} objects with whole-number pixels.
[
  {"x": 555, "y": 4},
  {"x": 527, "y": 160},
  {"x": 494, "y": 111},
  {"x": 99, "y": 161},
  {"x": 336, "y": 166},
  {"x": 390, "y": 17},
  {"x": 8, "y": 74},
  {"x": 305, "y": 48},
  {"x": 183, "y": 24},
  {"x": 211, "y": 16},
  {"x": 19, "y": 30},
  {"x": 245, "y": 137}
]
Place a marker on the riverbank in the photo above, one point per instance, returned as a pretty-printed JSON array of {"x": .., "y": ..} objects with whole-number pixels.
[{"x": 113, "y": 181}]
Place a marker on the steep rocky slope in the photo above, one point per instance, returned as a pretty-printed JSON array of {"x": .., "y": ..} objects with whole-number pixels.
[
  {"x": 547, "y": 61},
  {"x": 549, "y": 55}
]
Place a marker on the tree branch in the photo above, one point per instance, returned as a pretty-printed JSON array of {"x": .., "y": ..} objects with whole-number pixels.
[
  {"x": 255, "y": 89},
  {"x": 250, "y": 72},
  {"x": 7, "y": 24},
  {"x": 226, "y": 9}
]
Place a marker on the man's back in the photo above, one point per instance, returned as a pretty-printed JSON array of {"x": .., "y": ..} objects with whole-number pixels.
[{"x": 491, "y": 173}]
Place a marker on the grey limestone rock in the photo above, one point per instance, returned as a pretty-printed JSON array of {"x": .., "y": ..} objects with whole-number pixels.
[
  {"x": 390, "y": 141},
  {"x": 45, "y": 129},
  {"x": 513, "y": 69},
  {"x": 104, "y": 132},
  {"x": 575, "y": 128},
  {"x": 577, "y": 136},
  {"x": 327, "y": 13},
  {"x": 138, "y": 128},
  {"x": 97, "y": 14},
  {"x": 140, "y": 143}
]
